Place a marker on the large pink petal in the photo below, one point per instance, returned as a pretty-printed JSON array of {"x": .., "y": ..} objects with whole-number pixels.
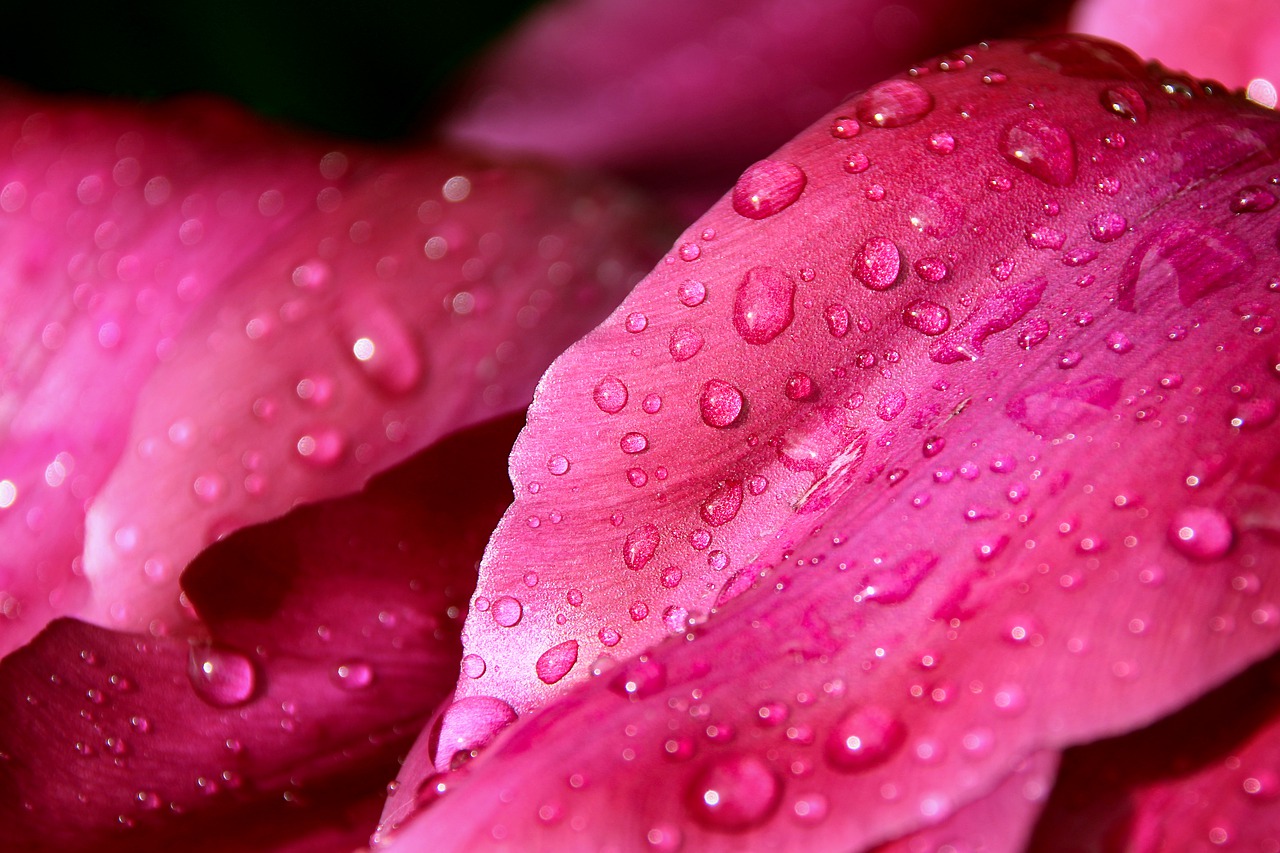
[
  {"x": 1206, "y": 778},
  {"x": 1236, "y": 41},
  {"x": 685, "y": 94},
  {"x": 333, "y": 636},
  {"x": 357, "y": 305},
  {"x": 116, "y": 223},
  {"x": 983, "y": 408}
]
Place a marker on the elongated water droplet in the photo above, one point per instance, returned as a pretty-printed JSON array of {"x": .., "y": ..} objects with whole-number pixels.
[
  {"x": 722, "y": 505},
  {"x": 766, "y": 188},
  {"x": 353, "y": 675},
  {"x": 926, "y": 317},
  {"x": 640, "y": 545},
  {"x": 555, "y": 663},
  {"x": 1042, "y": 149},
  {"x": 1126, "y": 103},
  {"x": 1202, "y": 533},
  {"x": 469, "y": 724},
  {"x": 763, "y": 306},
  {"x": 893, "y": 103}
]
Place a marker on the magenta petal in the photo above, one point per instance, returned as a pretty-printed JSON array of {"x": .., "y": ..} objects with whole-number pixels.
[
  {"x": 1207, "y": 777},
  {"x": 944, "y": 559},
  {"x": 116, "y": 224},
  {"x": 334, "y": 635},
  {"x": 686, "y": 94},
  {"x": 420, "y": 292}
]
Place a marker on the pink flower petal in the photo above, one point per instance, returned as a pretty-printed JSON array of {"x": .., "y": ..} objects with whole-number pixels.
[
  {"x": 235, "y": 319},
  {"x": 1235, "y": 42},
  {"x": 959, "y": 549},
  {"x": 687, "y": 94},
  {"x": 333, "y": 636},
  {"x": 1203, "y": 778}
]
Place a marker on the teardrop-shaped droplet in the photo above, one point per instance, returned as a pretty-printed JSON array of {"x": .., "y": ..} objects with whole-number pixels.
[
  {"x": 766, "y": 188},
  {"x": 220, "y": 676},
  {"x": 763, "y": 306},
  {"x": 863, "y": 738},
  {"x": 469, "y": 724},
  {"x": 893, "y": 103},
  {"x": 1125, "y": 102},
  {"x": 386, "y": 350},
  {"x": 640, "y": 546},
  {"x": 555, "y": 663},
  {"x": 1042, "y": 149}
]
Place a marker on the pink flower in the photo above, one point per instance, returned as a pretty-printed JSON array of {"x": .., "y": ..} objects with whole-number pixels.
[{"x": 941, "y": 445}]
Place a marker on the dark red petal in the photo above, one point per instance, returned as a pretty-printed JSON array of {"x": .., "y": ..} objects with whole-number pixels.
[
  {"x": 1207, "y": 777},
  {"x": 212, "y": 320},
  {"x": 987, "y": 544},
  {"x": 333, "y": 636}
]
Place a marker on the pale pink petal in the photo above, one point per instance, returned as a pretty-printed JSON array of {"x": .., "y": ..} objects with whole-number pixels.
[{"x": 984, "y": 420}]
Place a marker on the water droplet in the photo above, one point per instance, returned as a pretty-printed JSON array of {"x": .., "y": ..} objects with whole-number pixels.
[
  {"x": 639, "y": 611},
  {"x": 927, "y": 317},
  {"x": 610, "y": 395},
  {"x": 766, "y": 188},
  {"x": 1202, "y": 533},
  {"x": 636, "y": 322},
  {"x": 1252, "y": 199},
  {"x": 857, "y": 163},
  {"x": 1192, "y": 258},
  {"x": 634, "y": 442},
  {"x": 933, "y": 445},
  {"x": 690, "y": 252},
  {"x": 799, "y": 386},
  {"x": 863, "y": 738},
  {"x": 763, "y": 307},
  {"x": 671, "y": 577},
  {"x": 932, "y": 270},
  {"x": 640, "y": 545},
  {"x": 473, "y": 666},
  {"x": 1126, "y": 103},
  {"x": 640, "y": 678},
  {"x": 676, "y": 619},
  {"x": 609, "y": 636},
  {"x": 893, "y": 103},
  {"x": 845, "y": 127},
  {"x": 220, "y": 676},
  {"x": 722, "y": 505},
  {"x": 734, "y": 793},
  {"x": 1118, "y": 342},
  {"x": 879, "y": 263},
  {"x": 942, "y": 142},
  {"x": 894, "y": 584},
  {"x": 720, "y": 403},
  {"x": 1108, "y": 226},
  {"x": 685, "y": 343},
  {"x": 322, "y": 448},
  {"x": 837, "y": 317},
  {"x": 386, "y": 350},
  {"x": 692, "y": 293},
  {"x": 996, "y": 313},
  {"x": 555, "y": 663},
  {"x": 558, "y": 465},
  {"x": 469, "y": 724},
  {"x": 353, "y": 675},
  {"x": 1042, "y": 149},
  {"x": 507, "y": 611}
]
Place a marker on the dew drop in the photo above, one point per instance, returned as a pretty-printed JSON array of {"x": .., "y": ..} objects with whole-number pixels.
[
  {"x": 558, "y": 465},
  {"x": 353, "y": 675},
  {"x": 763, "y": 307},
  {"x": 473, "y": 666},
  {"x": 1201, "y": 533},
  {"x": 1125, "y": 103},
  {"x": 692, "y": 293},
  {"x": 722, "y": 505},
  {"x": 1252, "y": 199},
  {"x": 641, "y": 678},
  {"x": 766, "y": 188},
  {"x": 685, "y": 343},
  {"x": 932, "y": 270},
  {"x": 798, "y": 386},
  {"x": 1108, "y": 226},
  {"x": 845, "y": 127},
  {"x": 734, "y": 793},
  {"x": 610, "y": 395},
  {"x": 926, "y": 317},
  {"x": 879, "y": 263},
  {"x": 837, "y": 317},
  {"x": 720, "y": 403},
  {"x": 942, "y": 142},
  {"x": 555, "y": 663},
  {"x": 386, "y": 351},
  {"x": 220, "y": 676},
  {"x": 634, "y": 442},
  {"x": 322, "y": 448},
  {"x": 469, "y": 724},
  {"x": 862, "y": 738},
  {"x": 1042, "y": 149},
  {"x": 640, "y": 545},
  {"x": 893, "y": 103},
  {"x": 506, "y": 611}
]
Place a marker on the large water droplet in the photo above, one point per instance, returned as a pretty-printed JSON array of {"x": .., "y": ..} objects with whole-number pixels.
[
  {"x": 507, "y": 611},
  {"x": 763, "y": 305},
  {"x": 722, "y": 505},
  {"x": 1042, "y": 149},
  {"x": 879, "y": 263},
  {"x": 610, "y": 395},
  {"x": 893, "y": 103},
  {"x": 1193, "y": 258},
  {"x": 734, "y": 793},
  {"x": 640, "y": 545},
  {"x": 863, "y": 738},
  {"x": 555, "y": 663},
  {"x": 720, "y": 403},
  {"x": 685, "y": 343},
  {"x": 469, "y": 724},
  {"x": 220, "y": 676},
  {"x": 766, "y": 188},
  {"x": 1202, "y": 533}
]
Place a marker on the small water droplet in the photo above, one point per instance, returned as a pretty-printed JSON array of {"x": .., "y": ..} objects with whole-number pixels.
[
  {"x": 353, "y": 675},
  {"x": 799, "y": 386},
  {"x": 720, "y": 403},
  {"x": 837, "y": 317},
  {"x": 879, "y": 263},
  {"x": 734, "y": 793},
  {"x": 862, "y": 738},
  {"x": 767, "y": 188},
  {"x": 1108, "y": 226},
  {"x": 932, "y": 270},
  {"x": 555, "y": 663},
  {"x": 558, "y": 465},
  {"x": 221, "y": 676},
  {"x": 507, "y": 611},
  {"x": 893, "y": 103},
  {"x": 610, "y": 395},
  {"x": 942, "y": 142},
  {"x": 634, "y": 442},
  {"x": 322, "y": 447},
  {"x": 685, "y": 343},
  {"x": 845, "y": 127}
]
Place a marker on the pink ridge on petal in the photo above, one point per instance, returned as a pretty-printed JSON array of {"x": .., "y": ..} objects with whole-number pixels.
[
  {"x": 333, "y": 635},
  {"x": 947, "y": 559}
]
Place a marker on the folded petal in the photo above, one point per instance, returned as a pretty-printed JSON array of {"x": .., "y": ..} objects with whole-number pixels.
[
  {"x": 333, "y": 636},
  {"x": 1205, "y": 777},
  {"x": 213, "y": 320},
  {"x": 983, "y": 417},
  {"x": 684, "y": 95}
]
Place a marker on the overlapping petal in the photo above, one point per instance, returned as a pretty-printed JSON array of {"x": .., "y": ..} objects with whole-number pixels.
[
  {"x": 971, "y": 387},
  {"x": 333, "y": 635},
  {"x": 246, "y": 319}
]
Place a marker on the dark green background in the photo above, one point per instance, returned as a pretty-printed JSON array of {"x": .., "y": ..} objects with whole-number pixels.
[{"x": 369, "y": 69}]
